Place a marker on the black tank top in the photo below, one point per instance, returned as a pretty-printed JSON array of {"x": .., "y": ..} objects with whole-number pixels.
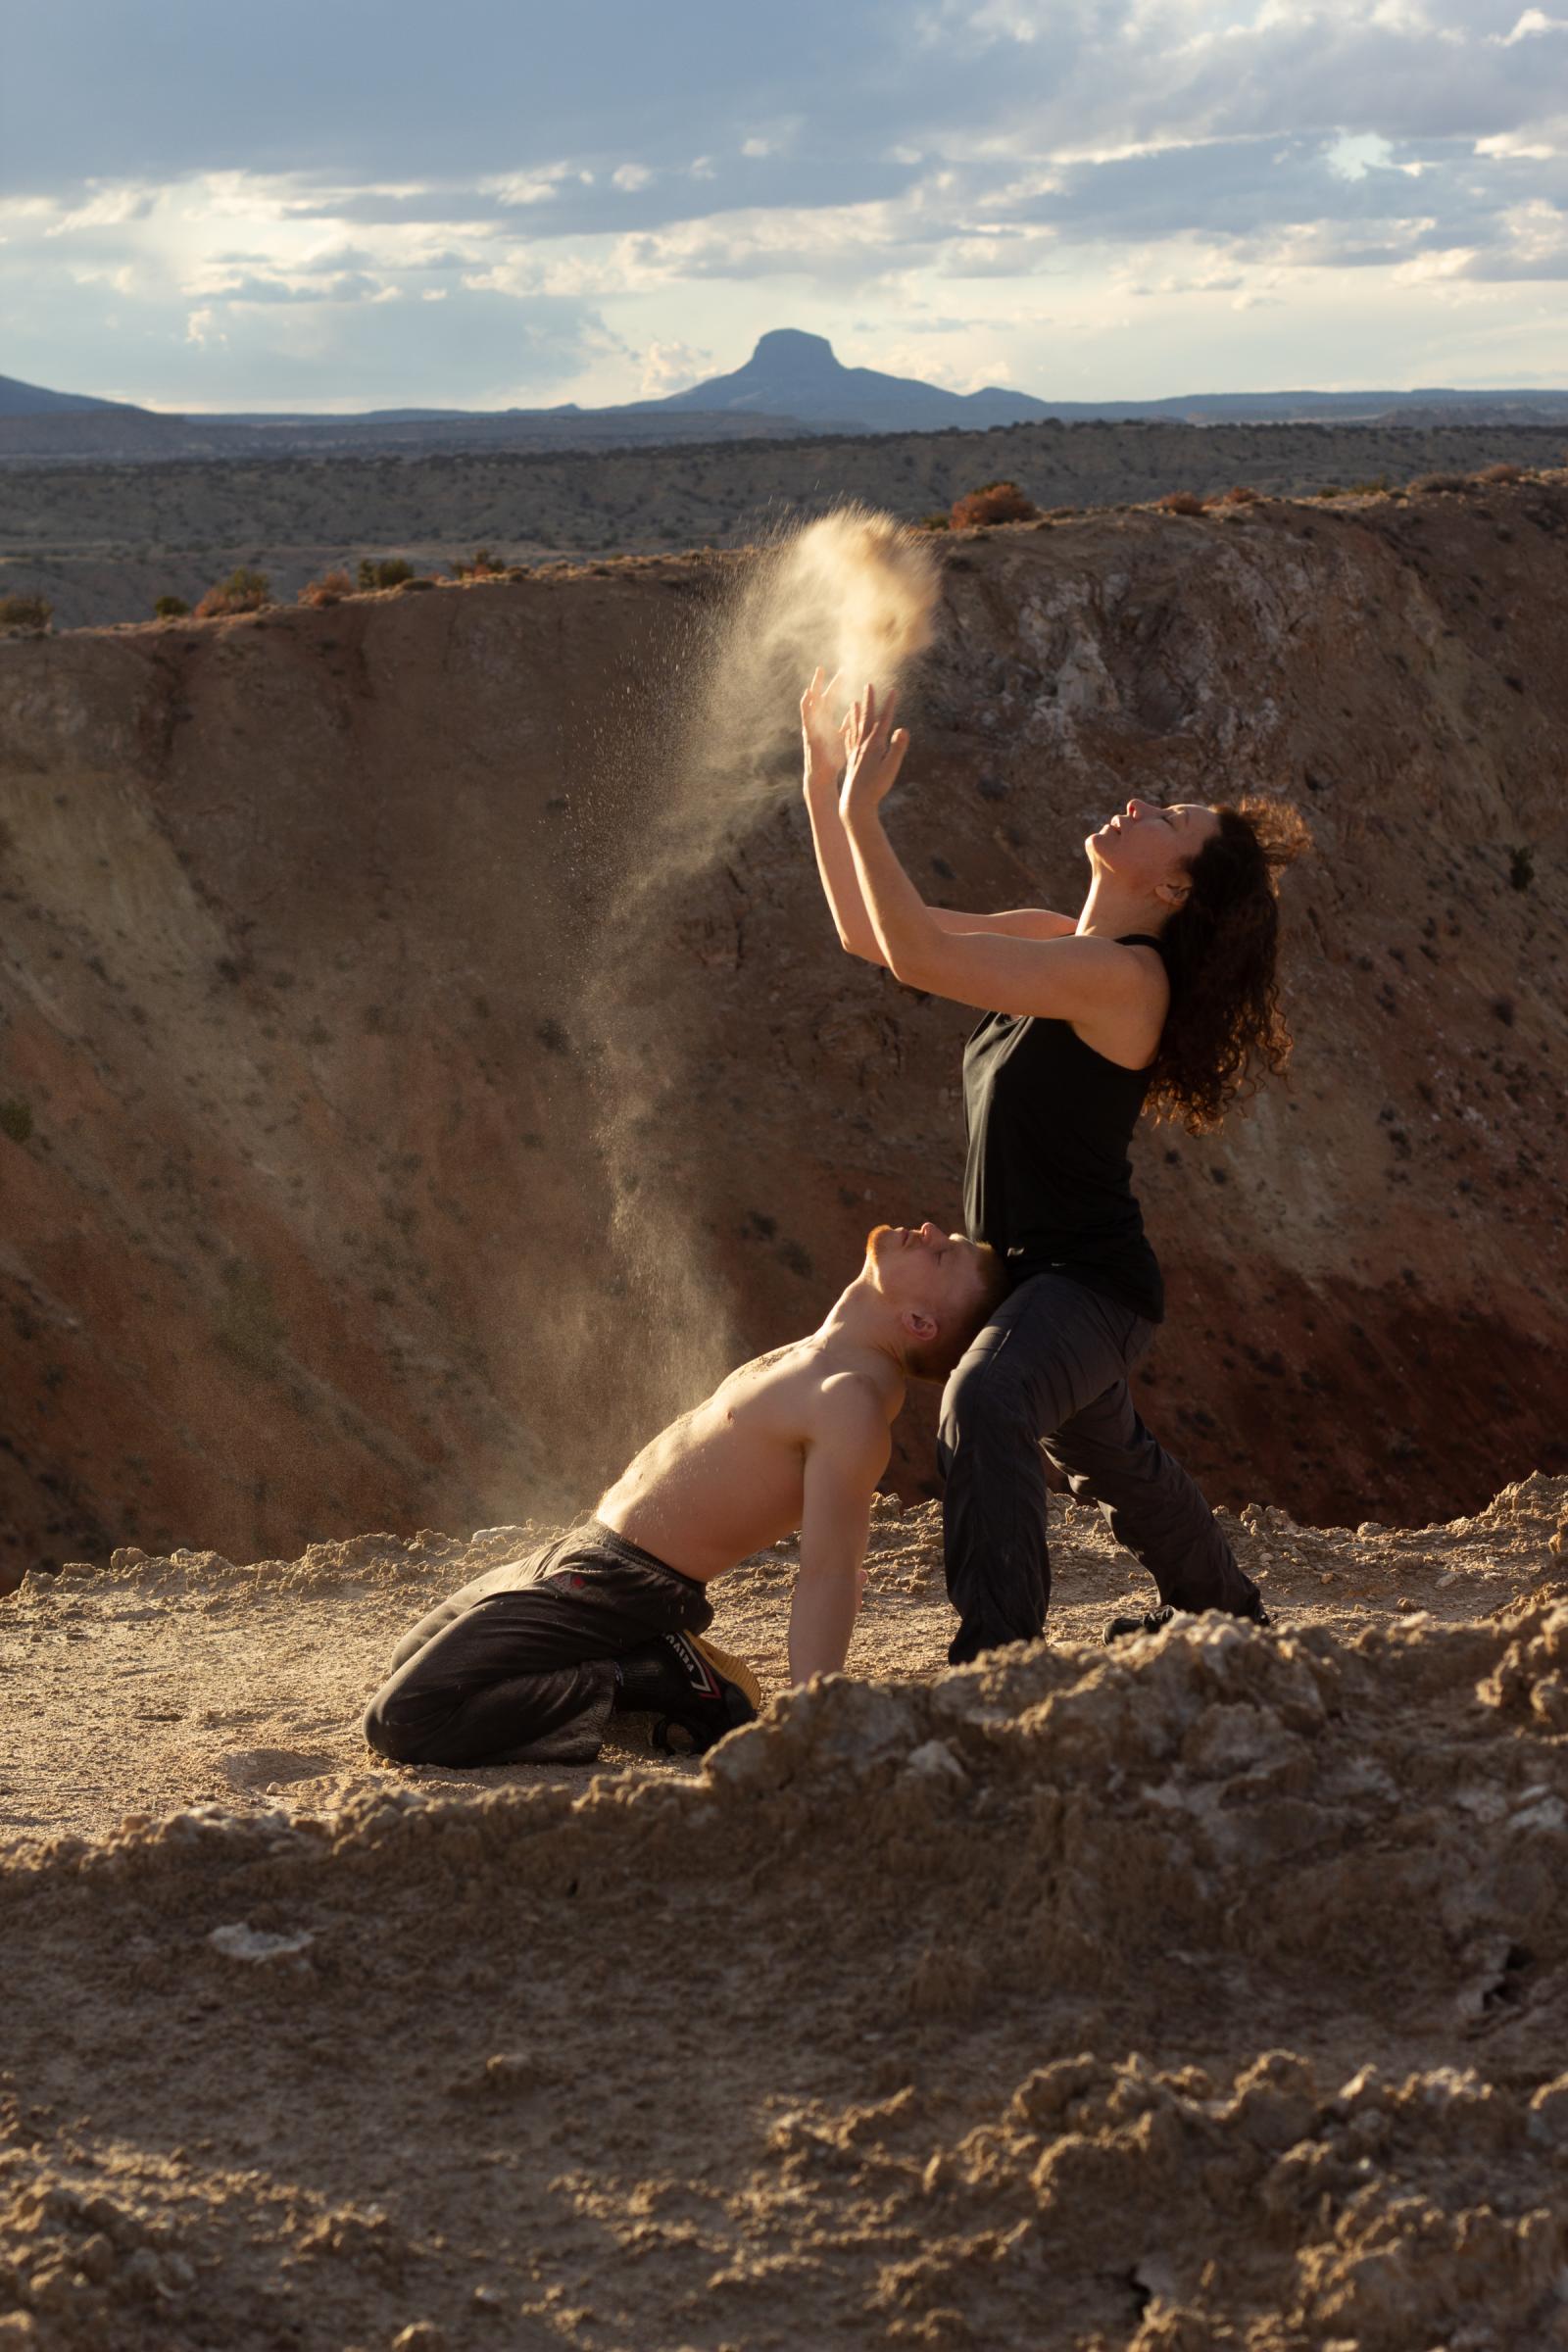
[{"x": 1048, "y": 1181}]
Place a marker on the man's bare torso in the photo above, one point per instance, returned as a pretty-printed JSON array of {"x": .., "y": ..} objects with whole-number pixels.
[{"x": 728, "y": 1478}]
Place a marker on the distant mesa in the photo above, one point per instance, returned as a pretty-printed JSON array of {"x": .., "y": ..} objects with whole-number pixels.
[
  {"x": 799, "y": 375},
  {"x": 795, "y": 375},
  {"x": 793, "y": 384}
]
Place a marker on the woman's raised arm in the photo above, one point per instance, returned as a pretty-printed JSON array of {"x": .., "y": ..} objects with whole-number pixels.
[
  {"x": 825, "y": 753},
  {"x": 824, "y": 745},
  {"x": 1080, "y": 979}
]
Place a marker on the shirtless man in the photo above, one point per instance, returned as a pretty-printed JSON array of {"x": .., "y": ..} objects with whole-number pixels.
[{"x": 529, "y": 1662}]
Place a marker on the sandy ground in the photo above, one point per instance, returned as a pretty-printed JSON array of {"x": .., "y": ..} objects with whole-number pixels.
[
  {"x": 1213, "y": 1991},
  {"x": 190, "y": 1680}
]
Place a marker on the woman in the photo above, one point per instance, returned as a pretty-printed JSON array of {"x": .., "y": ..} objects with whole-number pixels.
[{"x": 1160, "y": 992}]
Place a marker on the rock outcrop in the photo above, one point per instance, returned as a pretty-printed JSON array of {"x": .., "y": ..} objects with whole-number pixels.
[{"x": 367, "y": 1160}]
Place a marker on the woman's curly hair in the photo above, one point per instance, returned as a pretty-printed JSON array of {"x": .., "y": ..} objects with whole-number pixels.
[{"x": 1225, "y": 1028}]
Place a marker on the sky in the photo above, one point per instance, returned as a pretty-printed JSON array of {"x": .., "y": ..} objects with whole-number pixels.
[{"x": 346, "y": 203}]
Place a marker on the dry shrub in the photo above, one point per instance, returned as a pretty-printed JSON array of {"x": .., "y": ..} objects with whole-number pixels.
[
  {"x": 933, "y": 522},
  {"x": 170, "y": 608},
  {"x": 244, "y": 591},
  {"x": 26, "y": 612},
  {"x": 1180, "y": 502},
  {"x": 384, "y": 571},
  {"x": 482, "y": 565},
  {"x": 1440, "y": 481},
  {"x": 330, "y": 589},
  {"x": 1502, "y": 472},
  {"x": 1241, "y": 494},
  {"x": 992, "y": 502}
]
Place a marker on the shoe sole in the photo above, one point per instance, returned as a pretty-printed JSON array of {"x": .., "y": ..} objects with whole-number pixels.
[
  {"x": 1124, "y": 1629},
  {"x": 730, "y": 1670}
]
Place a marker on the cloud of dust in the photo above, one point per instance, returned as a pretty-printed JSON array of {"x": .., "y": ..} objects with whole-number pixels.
[{"x": 855, "y": 591}]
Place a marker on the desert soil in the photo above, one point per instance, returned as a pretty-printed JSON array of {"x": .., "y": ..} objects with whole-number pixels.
[
  {"x": 1210, "y": 1990},
  {"x": 104, "y": 541}
]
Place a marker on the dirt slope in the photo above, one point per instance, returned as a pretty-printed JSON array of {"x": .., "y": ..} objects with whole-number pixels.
[
  {"x": 322, "y": 1070},
  {"x": 1208, "y": 1991}
]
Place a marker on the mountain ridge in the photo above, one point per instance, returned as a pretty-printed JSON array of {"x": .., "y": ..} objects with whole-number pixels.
[
  {"x": 793, "y": 385},
  {"x": 18, "y": 399}
]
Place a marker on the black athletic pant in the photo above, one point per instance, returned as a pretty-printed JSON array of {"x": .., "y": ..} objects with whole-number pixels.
[
  {"x": 517, "y": 1666},
  {"x": 1047, "y": 1376}
]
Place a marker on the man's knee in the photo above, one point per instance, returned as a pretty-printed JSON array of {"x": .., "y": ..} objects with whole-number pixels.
[{"x": 398, "y": 1729}]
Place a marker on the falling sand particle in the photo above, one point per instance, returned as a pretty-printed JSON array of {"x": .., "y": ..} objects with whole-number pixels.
[{"x": 712, "y": 754}]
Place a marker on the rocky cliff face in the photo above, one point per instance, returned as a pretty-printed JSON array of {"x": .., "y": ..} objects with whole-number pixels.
[{"x": 368, "y": 1158}]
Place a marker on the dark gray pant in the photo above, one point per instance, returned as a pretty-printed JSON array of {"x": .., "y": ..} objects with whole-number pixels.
[
  {"x": 1048, "y": 1378},
  {"x": 517, "y": 1666}
]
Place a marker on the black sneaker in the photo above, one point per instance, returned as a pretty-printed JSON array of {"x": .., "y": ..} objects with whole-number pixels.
[
  {"x": 697, "y": 1691},
  {"x": 1155, "y": 1621},
  {"x": 1152, "y": 1621}
]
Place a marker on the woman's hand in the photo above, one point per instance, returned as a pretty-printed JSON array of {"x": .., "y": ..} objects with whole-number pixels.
[
  {"x": 822, "y": 739},
  {"x": 874, "y": 754}
]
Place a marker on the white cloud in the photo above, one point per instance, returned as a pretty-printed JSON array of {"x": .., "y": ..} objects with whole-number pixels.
[
  {"x": 672, "y": 366},
  {"x": 106, "y": 207},
  {"x": 1447, "y": 262},
  {"x": 522, "y": 188},
  {"x": 1215, "y": 157},
  {"x": 1352, "y": 156},
  {"x": 1508, "y": 145}
]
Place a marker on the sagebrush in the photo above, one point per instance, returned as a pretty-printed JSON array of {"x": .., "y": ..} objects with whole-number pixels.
[
  {"x": 992, "y": 502},
  {"x": 244, "y": 591}
]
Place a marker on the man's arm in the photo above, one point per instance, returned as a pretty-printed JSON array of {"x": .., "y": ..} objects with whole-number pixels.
[{"x": 846, "y": 1453}]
